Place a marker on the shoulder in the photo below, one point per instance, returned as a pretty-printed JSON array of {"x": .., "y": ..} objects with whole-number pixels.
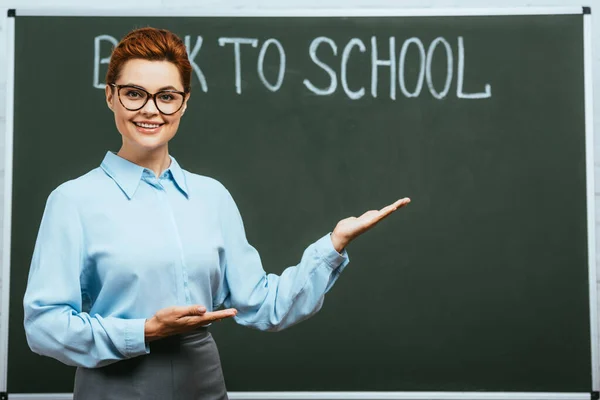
[
  {"x": 82, "y": 188},
  {"x": 204, "y": 184}
]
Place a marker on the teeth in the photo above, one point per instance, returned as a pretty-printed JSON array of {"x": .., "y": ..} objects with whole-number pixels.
[{"x": 149, "y": 126}]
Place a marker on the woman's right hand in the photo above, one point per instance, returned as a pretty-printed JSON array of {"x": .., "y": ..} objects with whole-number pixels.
[{"x": 174, "y": 320}]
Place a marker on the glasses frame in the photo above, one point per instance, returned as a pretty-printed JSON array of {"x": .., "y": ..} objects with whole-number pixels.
[{"x": 149, "y": 96}]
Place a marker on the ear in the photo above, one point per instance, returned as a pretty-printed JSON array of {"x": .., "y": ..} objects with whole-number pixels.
[
  {"x": 108, "y": 90},
  {"x": 187, "y": 97}
]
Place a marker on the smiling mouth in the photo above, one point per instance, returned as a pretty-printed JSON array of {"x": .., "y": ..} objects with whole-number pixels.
[{"x": 147, "y": 126}]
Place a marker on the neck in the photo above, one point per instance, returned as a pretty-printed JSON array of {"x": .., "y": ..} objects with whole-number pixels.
[{"x": 156, "y": 160}]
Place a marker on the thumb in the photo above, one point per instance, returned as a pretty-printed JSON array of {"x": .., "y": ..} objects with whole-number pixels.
[{"x": 195, "y": 310}]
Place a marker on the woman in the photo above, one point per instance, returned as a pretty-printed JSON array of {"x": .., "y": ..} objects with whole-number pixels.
[{"x": 133, "y": 258}]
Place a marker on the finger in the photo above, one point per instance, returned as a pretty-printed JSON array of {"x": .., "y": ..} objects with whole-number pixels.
[
  {"x": 193, "y": 310},
  {"x": 209, "y": 317},
  {"x": 395, "y": 205},
  {"x": 387, "y": 210},
  {"x": 398, "y": 203},
  {"x": 402, "y": 202},
  {"x": 221, "y": 314},
  {"x": 370, "y": 214}
]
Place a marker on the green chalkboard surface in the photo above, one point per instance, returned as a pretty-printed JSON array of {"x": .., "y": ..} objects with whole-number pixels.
[{"x": 481, "y": 284}]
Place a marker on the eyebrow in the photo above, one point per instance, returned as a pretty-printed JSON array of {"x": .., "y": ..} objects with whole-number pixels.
[{"x": 159, "y": 90}]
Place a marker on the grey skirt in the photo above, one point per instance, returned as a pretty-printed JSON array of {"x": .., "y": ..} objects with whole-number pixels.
[{"x": 182, "y": 367}]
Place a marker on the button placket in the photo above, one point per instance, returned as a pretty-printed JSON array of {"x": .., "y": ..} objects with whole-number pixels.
[
  {"x": 182, "y": 265},
  {"x": 166, "y": 221}
]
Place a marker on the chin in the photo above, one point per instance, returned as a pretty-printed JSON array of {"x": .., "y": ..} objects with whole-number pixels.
[
  {"x": 148, "y": 143},
  {"x": 151, "y": 146}
]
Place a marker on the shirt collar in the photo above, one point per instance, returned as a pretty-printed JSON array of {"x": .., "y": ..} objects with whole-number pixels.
[
  {"x": 178, "y": 176},
  {"x": 128, "y": 175}
]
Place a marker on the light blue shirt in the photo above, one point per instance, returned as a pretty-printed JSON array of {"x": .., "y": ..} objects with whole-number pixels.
[{"x": 117, "y": 244}]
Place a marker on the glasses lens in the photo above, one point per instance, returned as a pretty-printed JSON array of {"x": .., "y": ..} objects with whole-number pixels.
[
  {"x": 132, "y": 98},
  {"x": 169, "y": 102}
]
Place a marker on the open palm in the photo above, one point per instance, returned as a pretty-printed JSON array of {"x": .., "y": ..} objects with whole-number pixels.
[{"x": 349, "y": 228}]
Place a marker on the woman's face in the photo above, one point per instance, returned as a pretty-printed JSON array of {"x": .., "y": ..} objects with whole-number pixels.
[{"x": 146, "y": 129}]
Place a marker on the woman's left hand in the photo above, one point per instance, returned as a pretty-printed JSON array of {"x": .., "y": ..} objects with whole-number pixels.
[{"x": 348, "y": 229}]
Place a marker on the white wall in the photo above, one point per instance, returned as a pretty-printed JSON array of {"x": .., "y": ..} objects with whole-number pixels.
[{"x": 287, "y": 4}]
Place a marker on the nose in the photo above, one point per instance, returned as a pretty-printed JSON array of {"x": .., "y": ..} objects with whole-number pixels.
[{"x": 149, "y": 108}]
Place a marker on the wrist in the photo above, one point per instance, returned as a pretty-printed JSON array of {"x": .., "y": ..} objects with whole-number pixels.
[
  {"x": 338, "y": 243},
  {"x": 150, "y": 330}
]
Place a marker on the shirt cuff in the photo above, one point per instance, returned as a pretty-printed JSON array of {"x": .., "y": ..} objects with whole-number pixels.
[
  {"x": 327, "y": 252},
  {"x": 135, "y": 341}
]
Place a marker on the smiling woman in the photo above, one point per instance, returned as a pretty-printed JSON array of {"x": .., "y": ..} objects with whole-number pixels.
[
  {"x": 135, "y": 259},
  {"x": 146, "y": 125}
]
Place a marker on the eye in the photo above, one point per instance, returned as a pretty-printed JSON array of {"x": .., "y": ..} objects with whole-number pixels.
[
  {"x": 134, "y": 94},
  {"x": 166, "y": 97}
]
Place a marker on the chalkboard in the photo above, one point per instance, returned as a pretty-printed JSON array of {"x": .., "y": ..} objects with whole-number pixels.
[{"x": 481, "y": 284}]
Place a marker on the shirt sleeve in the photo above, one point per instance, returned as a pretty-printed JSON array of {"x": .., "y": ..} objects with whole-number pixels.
[
  {"x": 267, "y": 301},
  {"x": 55, "y": 325}
]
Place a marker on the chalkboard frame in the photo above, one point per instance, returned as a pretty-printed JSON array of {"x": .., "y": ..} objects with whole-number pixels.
[{"x": 216, "y": 12}]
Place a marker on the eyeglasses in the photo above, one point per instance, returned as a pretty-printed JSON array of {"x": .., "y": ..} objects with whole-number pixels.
[{"x": 134, "y": 98}]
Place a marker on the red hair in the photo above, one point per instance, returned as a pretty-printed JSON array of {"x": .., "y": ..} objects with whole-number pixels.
[{"x": 154, "y": 45}]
